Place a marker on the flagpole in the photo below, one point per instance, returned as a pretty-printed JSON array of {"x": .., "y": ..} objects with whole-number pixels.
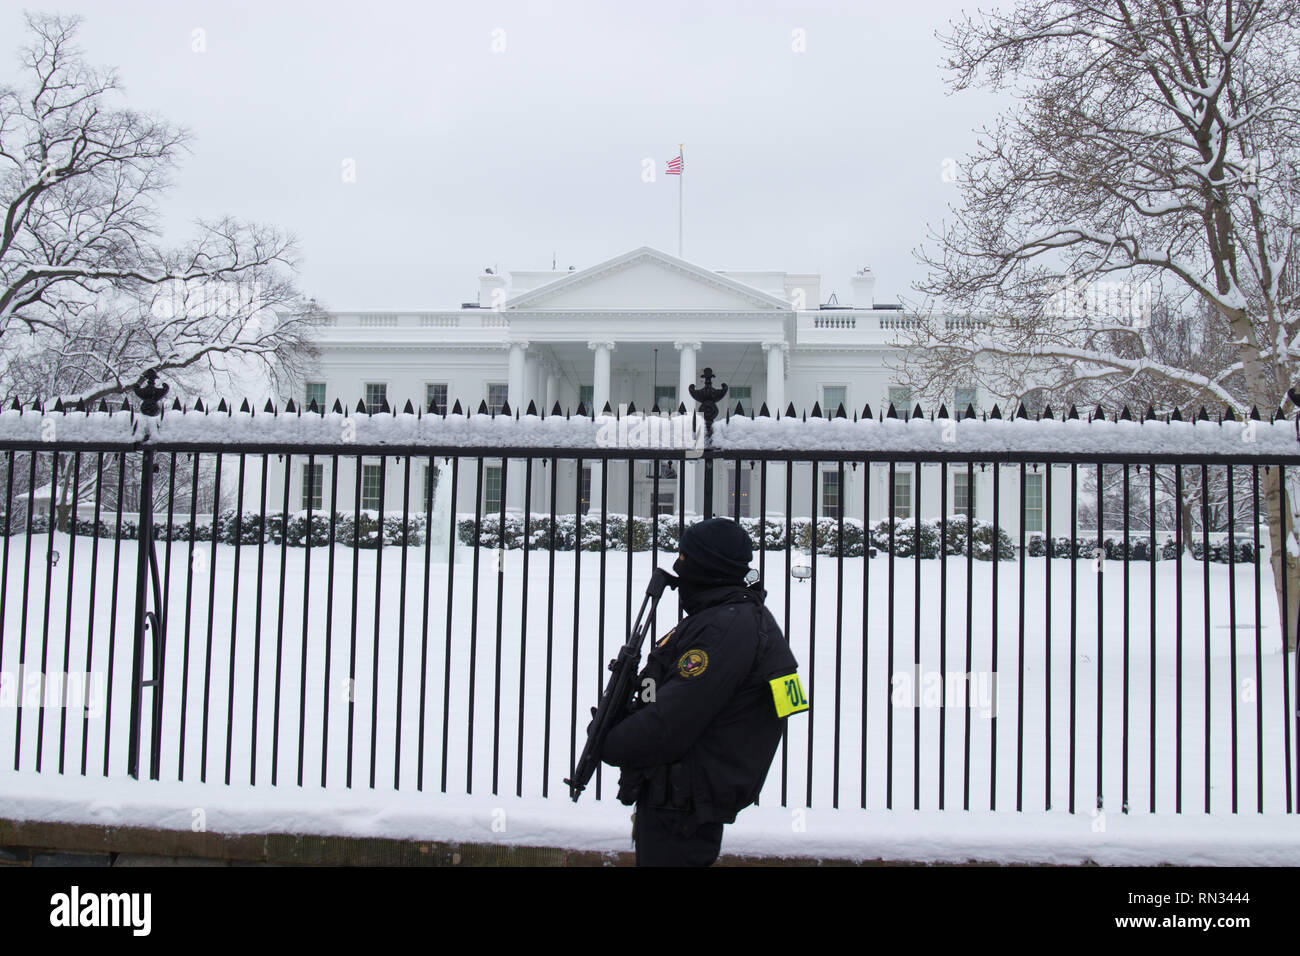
[{"x": 681, "y": 152}]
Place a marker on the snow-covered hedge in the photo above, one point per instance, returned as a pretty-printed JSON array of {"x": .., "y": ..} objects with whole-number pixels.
[
  {"x": 955, "y": 538},
  {"x": 1139, "y": 549}
]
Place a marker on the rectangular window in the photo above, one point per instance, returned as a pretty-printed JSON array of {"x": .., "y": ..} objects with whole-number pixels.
[
  {"x": 496, "y": 396},
  {"x": 831, "y": 494},
  {"x": 666, "y": 397},
  {"x": 1033, "y": 502},
  {"x": 833, "y": 396},
  {"x": 742, "y": 395},
  {"x": 900, "y": 396},
  {"x": 372, "y": 485},
  {"x": 903, "y": 493},
  {"x": 743, "y": 495},
  {"x": 963, "y": 398},
  {"x": 376, "y": 395},
  {"x": 435, "y": 397},
  {"x": 313, "y": 486},
  {"x": 492, "y": 489},
  {"x": 963, "y": 494},
  {"x": 315, "y": 393}
]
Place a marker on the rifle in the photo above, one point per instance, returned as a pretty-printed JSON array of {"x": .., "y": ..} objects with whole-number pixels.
[{"x": 618, "y": 692}]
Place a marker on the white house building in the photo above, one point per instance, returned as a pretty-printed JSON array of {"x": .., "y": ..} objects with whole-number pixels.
[{"x": 638, "y": 329}]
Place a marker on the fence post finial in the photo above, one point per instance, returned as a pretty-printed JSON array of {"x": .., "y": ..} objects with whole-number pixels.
[{"x": 150, "y": 392}]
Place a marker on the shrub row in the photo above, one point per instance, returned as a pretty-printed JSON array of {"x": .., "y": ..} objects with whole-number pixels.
[{"x": 1139, "y": 549}]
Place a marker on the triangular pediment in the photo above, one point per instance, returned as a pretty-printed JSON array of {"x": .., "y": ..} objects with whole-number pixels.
[{"x": 647, "y": 279}]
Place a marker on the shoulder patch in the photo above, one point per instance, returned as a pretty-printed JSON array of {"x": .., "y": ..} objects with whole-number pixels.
[{"x": 693, "y": 663}]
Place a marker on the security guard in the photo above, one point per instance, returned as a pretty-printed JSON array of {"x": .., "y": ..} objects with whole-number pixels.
[{"x": 710, "y": 705}]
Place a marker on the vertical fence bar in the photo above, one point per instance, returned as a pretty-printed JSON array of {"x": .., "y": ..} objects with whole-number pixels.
[
  {"x": 1020, "y": 655},
  {"x": 379, "y": 586},
  {"x": 234, "y": 619},
  {"x": 451, "y": 580},
  {"x": 479, "y": 502},
  {"x": 1205, "y": 592},
  {"x": 970, "y": 607},
  {"x": 22, "y": 634},
  {"x": 839, "y": 621},
  {"x": 889, "y": 650},
  {"x": 501, "y": 592},
  {"x": 1124, "y": 737},
  {"x": 523, "y": 626},
  {"x": 1286, "y": 689},
  {"x": 1259, "y": 653},
  {"x": 279, "y": 614},
  {"x": 1151, "y": 480},
  {"x": 189, "y": 607},
  {"x": 430, "y": 485},
  {"x": 1232, "y": 631},
  {"x": 600, "y": 599},
  {"x": 1049, "y": 555},
  {"x": 309, "y": 540},
  {"x": 1101, "y": 590},
  {"x": 997, "y": 558},
  {"x": 789, "y": 544},
  {"x": 73, "y": 516},
  {"x": 112, "y": 614},
  {"x": 257, "y": 618},
  {"x": 866, "y": 603},
  {"x": 45, "y": 617},
  {"x": 943, "y": 629},
  {"x": 352, "y": 650},
  {"x": 916, "y": 642},
  {"x": 90, "y": 602},
  {"x": 329, "y": 621},
  {"x": 401, "y": 620},
  {"x": 1178, "y": 635},
  {"x": 212, "y": 606},
  {"x": 577, "y": 611},
  {"x": 1074, "y": 617},
  {"x": 812, "y": 619},
  {"x": 550, "y": 620}
]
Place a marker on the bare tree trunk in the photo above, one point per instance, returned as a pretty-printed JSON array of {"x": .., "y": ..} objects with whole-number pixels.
[
  {"x": 1189, "y": 531},
  {"x": 1281, "y": 530}
]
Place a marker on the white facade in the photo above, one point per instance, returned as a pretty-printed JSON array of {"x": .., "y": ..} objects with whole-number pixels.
[{"x": 597, "y": 335}]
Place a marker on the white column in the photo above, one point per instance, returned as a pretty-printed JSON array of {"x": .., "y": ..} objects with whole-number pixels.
[
  {"x": 775, "y": 377},
  {"x": 599, "y": 396},
  {"x": 552, "y": 388},
  {"x": 600, "y": 373},
  {"x": 685, "y": 379},
  {"x": 515, "y": 395},
  {"x": 530, "y": 382}
]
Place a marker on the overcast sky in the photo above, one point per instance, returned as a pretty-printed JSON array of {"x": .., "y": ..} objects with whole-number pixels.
[{"x": 498, "y": 134}]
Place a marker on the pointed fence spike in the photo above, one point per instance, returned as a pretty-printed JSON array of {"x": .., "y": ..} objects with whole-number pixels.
[
  {"x": 457, "y": 410},
  {"x": 222, "y": 407},
  {"x": 839, "y": 412},
  {"x": 556, "y": 410},
  {"x": 248, "y": 411},
  {"x": 1151, "y": 413},
  {"x": 338, "y": 407},
  {"x": 892, "y": 412},
  {"x": 996, "y": 413},
  {"x": 1073, "y": 413},
  {"x": 943, "y": 410},
  {"x": 383, "y": 407},
  {"x": 866, "y": 413},
  {"x": 1047, "y": 413},
  {"x": 1021, "y": 413},
  {"x": 817, "y": 410},
  {"x": 970, "y": 410},
  {"x": 482, "y": 407},
  {"x": 58, "y": 404},
  {"x": 1100, "y": 415},
  {"x": 532, "y": 409},
  {"x": 198, "y": 405},
  {"x": 15, "y": 407},
  {"x": 1124, "y": 415},
  {"x": 1175, "y": 415},
  {"x": 289, "y": 407},
  {"x": 916, "y": 412},
  {"x": 361, "y": 406},
  {"x": 103, "y": 405},
  {"x": 740, "y": 408},
  {"x": 1228, "y": 414},
  {"x": 1202, "y": 416},
  {"x": 1254, "y": 413},
  {"x": 763, "y": 411},
  {"x": 408, "y": 408},
  {"x": 790, "y": 412},
  {"x": 631, "y": 408},
  {"x": 581, "y": 410}
]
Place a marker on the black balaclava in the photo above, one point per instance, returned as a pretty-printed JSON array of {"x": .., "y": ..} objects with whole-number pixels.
[{"x": 712, "y": 554}]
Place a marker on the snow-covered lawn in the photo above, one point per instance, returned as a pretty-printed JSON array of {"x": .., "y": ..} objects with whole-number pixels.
[{"x": 485, "y": 690}]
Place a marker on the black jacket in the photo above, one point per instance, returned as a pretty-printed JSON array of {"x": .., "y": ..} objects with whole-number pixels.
[{"x": 705, "y": 740}]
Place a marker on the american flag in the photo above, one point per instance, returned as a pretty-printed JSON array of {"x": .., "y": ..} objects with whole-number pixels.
[{"x": 675, "y": 166}]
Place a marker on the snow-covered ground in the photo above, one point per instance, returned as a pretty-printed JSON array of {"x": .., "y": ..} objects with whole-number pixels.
[{"x": 509, "y": 743}]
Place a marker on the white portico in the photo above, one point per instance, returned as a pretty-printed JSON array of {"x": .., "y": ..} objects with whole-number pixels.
[{"x": 636, "y": 330}]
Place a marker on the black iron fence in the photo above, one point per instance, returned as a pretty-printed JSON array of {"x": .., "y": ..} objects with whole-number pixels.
[{"x": 993, "y": 618}]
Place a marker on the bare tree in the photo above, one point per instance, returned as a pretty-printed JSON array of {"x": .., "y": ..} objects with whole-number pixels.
[
  {"x": 89, "y": 296},
  {"x": 1153, "y": 157}
]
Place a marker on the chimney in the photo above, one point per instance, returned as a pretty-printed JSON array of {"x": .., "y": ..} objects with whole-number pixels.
[
  {"x": 491, "y": 290},
  {"x": 864, "y": 288}
]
